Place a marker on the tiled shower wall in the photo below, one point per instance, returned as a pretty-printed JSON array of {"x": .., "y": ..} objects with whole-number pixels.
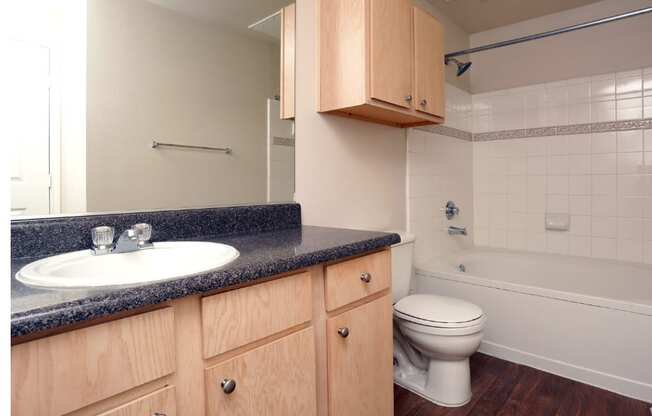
[
  {"x": 581, "y": 147},
  {"x": 440, "y": 168},
  {"x": 601, "y": 176}
]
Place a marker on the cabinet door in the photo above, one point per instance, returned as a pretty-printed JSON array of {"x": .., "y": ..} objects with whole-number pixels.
[
  {"x": 391, "y": 51},
  {"x": 360, "y": 372},
  {"x": 428, "y": 64},
  {"x": 276, "y": 379}
]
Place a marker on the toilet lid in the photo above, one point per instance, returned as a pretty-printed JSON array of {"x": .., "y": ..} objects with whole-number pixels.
[{"x": 437, "y": 309}]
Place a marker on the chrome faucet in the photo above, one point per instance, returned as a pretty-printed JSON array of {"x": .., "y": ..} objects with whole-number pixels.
[
  {"x": 453, "y": 230},
  {"x": 135, "y": 238}
]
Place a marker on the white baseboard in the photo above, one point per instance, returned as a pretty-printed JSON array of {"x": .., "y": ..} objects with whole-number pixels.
[{"x": 620, "y": 385}]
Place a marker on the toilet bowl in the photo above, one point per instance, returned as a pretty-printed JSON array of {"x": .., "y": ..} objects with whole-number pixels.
[
  {"x": 446, "y": 339},
  {"x": 434, "y": 336}
]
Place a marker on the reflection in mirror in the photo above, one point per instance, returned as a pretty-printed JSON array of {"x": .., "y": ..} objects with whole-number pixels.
[{"x": 97, "y": 82}]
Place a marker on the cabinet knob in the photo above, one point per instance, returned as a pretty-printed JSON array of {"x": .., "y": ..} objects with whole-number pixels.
[
  {"x": 228, "y": 386},
  {"x": 408, "y": 98},
  {"x": 365, "y": 277},
  {"x": 344, "y": 332},
  {"x": 423, "y": 102}
]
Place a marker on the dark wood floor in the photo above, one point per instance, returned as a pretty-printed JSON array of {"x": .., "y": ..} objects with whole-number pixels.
[{"x": 504, "y": 388}]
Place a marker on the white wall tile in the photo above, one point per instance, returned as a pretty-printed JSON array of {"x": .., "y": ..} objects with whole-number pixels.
[
  {"x": 579, "y": 205},
  {"x": 579, "y": 144},
  {"x": 647, "y": 134},
  {"x": 629, "y": 250},
  {"x": 604, "y": 142},
  {"x": 558, "y": 165},
  {"x": 579, "y": 164},
  {"x": 606, "y": 163},
  {"x": 580, "y": 225},
  {"x": 630, "y": 141},
  {"x": 558, "y": 185},
  {"x": 579, "y": 185},
  {"x": 604, "y": 205},
  {"x": 579, "y": 246},
  {"x": 604, "y": 248},
  {"x": 604, "y": 185},
  {"x": 629, "y": 163},
  {"x": 537, "y": 165},
  {"x": 604, "y": 227},
  {"x": 630, "y": 229},
  {"x": 557, "y": 242},
  {"x": 647, "y": 252}
]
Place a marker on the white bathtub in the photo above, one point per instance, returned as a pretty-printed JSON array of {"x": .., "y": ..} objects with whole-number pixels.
[{"x": 585, "y": 319}]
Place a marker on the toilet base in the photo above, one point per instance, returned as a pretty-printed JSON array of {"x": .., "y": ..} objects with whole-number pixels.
[{"x": 445, "y": 383}]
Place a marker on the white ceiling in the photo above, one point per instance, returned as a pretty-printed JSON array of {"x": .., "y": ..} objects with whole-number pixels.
[
  {"x": 480, "y": 15},
  {"x": 238, "y": 14}
]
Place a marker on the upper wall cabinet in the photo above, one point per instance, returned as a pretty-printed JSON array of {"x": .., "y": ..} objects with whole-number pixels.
[{"x": 380, "y": 61}]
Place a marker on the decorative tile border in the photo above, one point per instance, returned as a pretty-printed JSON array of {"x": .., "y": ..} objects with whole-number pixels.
[
  {"x": 607, "y": 126},
  {"x": 448, "y": 131},
  {"x": 283, "y": 141},
  {"x": 622, "y": 125}
]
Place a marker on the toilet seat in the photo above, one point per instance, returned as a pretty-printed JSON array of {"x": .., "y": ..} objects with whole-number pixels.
[{"x": 438, "y": 312}]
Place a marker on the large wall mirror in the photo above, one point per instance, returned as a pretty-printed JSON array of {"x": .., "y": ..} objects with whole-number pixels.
[{"x": 124, "y": 105}]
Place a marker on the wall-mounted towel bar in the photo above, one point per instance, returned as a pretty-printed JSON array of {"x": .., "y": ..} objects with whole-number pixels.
[{"x": 156, "y": 144}]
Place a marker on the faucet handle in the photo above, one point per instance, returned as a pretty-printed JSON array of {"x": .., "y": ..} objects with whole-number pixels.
[
  {"x": 143, "y": 233},
  {"x": 102, "y": 238}
]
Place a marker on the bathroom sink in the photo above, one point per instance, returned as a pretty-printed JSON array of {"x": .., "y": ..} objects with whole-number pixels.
[{"x": 166, "y": 260}]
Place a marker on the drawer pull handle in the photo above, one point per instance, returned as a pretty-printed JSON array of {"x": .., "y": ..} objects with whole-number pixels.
[
  {"x": 158, "y": 414},
  {"x": 423, "y": 102},
  {"x": 365, "y": 277},
  {"x": 228, "y": 386},
  {"x": 344, "y": 332}
]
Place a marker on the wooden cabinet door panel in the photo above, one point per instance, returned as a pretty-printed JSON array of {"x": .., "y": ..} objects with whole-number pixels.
[
  {"x": 428, "y": 64},
  {"x": 237, "y": 317},
  {"x": 275, "y": 379},
  {"x": 160, "y": 402},
  {"x": 360, "y": 371},
  {"x": 391, "y": 51}
]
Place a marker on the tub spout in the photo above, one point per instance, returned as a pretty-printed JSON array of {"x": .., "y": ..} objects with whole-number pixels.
[{"x": 453, "y": 230}]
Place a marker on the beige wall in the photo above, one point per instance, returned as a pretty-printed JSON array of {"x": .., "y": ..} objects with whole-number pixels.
[
  {"x": 455, "y": 39},
  {"x": 155, "y": 74},
  {"x": 612, "y": 47},
  {"x": 350, "y": 173}
]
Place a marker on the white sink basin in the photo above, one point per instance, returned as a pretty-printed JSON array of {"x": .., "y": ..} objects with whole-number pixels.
[{"x": 82, "y": 269}]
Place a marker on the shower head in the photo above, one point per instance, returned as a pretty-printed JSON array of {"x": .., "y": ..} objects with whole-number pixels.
[{"x": 462, "y": 67}]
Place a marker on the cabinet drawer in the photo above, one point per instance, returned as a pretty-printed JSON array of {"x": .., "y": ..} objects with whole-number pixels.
[
  {"x": 360, "y": 370},
  {"x": 62, "y": 373},
  {"x": 160, "y": 402},
  {"x": 275, "y": 379},
  {"x": 355, "y": 279},
  {"x": 236, "y": 318}
]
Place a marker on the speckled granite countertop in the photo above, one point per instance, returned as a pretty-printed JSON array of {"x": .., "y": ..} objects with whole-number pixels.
[{"x": 262, "y": 254}]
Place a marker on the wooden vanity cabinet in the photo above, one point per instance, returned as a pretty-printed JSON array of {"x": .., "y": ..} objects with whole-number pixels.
[
  {"x": 272, "y": 348},
  {"x": 380, "y": 61}
]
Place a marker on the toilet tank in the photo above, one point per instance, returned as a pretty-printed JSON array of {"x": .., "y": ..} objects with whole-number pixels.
[{"x": 402, "y": 270}]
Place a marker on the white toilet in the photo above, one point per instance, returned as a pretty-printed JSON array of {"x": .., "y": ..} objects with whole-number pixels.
[{"x": 434, "y": 336}]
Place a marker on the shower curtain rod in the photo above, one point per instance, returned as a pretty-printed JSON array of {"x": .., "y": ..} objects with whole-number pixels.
[{"x": 549, "y": 33}]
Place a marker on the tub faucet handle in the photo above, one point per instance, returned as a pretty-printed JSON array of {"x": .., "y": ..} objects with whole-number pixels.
[{"x": 450, "y": 210}]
